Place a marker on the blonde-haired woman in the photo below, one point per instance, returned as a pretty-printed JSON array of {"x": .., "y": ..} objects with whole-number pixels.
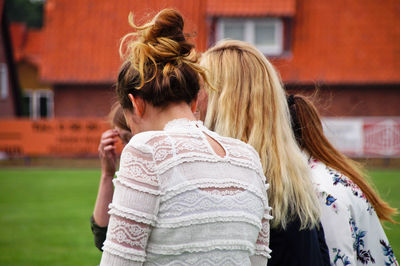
[
  {"x": 249, "y": 104},
  {"x": 183, "y": 195}
]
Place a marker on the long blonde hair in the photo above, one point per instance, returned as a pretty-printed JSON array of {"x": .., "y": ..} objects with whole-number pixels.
[{"x": 249, "y": 103}]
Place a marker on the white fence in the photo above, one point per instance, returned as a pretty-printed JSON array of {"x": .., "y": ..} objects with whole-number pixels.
[{"x": 364, "y": 136}]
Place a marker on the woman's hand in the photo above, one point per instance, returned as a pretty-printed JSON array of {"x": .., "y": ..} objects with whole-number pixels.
[{"x": 107, "y": 152}]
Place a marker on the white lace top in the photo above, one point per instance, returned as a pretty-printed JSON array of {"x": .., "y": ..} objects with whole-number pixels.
[{"x": 176, "y": 202}]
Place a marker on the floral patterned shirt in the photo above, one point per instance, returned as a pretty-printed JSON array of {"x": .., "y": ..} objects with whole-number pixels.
[{"x": 353, "y": 232}]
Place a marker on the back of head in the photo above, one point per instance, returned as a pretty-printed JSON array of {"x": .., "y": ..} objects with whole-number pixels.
[
  {"x": 308, "y": 130},
  {"x": 117, "y": 118},
  {"x": 249, "y": 103},
  {"x": 160, "y": 65}
]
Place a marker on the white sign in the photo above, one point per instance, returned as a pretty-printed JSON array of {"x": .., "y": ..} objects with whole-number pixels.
[{"x": 346, "y": 134}]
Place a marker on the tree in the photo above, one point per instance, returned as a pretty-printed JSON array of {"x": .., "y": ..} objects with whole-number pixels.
[{"x": 28, "y": 11}]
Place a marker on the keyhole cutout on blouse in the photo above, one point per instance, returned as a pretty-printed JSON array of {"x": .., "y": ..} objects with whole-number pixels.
[{"x": 218, "y": 149}]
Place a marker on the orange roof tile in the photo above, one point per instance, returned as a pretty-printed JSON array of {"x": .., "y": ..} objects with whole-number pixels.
[
  {"x": 27, "y": 43},
  {"x": 251, "y": 7},
  {"x": 344, "y": 42},
  {"x": 18, "y": 38},
  {"x": 34, "y": 46},
  {"x": 81, "y": 37},
  {"x": 329, "y": 43}
]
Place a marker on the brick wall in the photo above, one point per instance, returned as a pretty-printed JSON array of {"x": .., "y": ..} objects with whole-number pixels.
[
  {"x": 367, "y": 100},
  {"x": 83, "y": 100}
]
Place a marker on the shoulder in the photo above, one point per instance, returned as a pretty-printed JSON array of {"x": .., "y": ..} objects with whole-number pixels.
[
  {"x": 141, "y": 147},
  {"x": 320, "y": 173},
  {"x": 240, "y": 151},
  {"x": 234, "y": 144},
  {"x": 145, "y": 141},
  {"x": 137, "y": 159}
]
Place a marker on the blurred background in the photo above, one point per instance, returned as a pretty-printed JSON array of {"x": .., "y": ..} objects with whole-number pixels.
[{"x": 58, "y": 64}]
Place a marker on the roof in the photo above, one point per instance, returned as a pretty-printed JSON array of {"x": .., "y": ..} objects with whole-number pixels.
[
  {"x": 331, "y": 44},
  {"x": 328, "y": 43},
  {"x": 34, "y": 46},
  {"x": 81, "y": 37},
  {"x": 251, "y": 8},
  {"x": 18, "y": 33},
  {"x": 27, "y": 43}
]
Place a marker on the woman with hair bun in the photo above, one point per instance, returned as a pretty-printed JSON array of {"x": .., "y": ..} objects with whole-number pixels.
[
  {"x": 249, "y": 104},
  {"x": 350, "y": 208},
  {"x": 183, "y": 194}
]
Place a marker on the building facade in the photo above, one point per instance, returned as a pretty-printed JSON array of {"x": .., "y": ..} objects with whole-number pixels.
[{"x": 349, "y": 51}]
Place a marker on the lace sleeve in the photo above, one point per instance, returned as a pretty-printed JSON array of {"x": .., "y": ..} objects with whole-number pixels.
[
  {"x": 133, "y": 209},
  {"x": 262, "y": 251}
]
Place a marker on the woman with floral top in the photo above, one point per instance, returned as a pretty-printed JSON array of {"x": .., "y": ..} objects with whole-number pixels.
[{"x": 350, "y": 208}]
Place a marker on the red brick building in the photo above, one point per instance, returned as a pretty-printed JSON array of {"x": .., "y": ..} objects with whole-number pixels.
[{"x": 349, "y": 50}]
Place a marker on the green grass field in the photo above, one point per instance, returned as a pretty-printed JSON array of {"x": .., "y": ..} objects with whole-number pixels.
[{"x": 45, "y": 215}]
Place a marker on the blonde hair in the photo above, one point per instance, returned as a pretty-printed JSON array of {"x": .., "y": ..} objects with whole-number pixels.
[{"x": 249, "y": 103}]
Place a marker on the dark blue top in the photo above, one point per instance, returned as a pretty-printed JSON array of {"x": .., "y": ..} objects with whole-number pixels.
[{"x": 292, "y": 247}]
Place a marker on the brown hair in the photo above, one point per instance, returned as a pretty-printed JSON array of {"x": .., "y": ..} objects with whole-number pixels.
[
  {"x": 160, "y": 65},
  {"x": 117, "y": 118},
  {"x": 307, "y": 127}
]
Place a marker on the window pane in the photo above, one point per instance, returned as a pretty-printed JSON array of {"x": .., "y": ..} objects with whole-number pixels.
[
  {"x": 26, "y": 105},
  {"x": 234, "y": 30},
  {"x": 43, "y": 112},
  {"x": 265, "y": 33},
  {"x": 3, "y": 80}
]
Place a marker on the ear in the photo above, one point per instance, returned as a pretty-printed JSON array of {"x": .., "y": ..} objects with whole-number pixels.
[
  {"x": 138, "y": 104},
  {"x": 193, "y": 104}
]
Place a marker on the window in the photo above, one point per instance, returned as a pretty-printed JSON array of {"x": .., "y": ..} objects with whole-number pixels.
[
  {"x": 3, "y": 80},
  {"x": 265, "y": 33},
  {"x": 38, "y": 103}
]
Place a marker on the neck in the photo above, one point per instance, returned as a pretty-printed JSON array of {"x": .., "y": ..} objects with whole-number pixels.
[{"x": 156, "y": 118}]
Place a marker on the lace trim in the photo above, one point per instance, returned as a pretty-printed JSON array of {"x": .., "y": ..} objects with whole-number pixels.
[
  {"x": 196, "y": 144},
  {"x": 202, "y": 247},
  {"x": 206, "y": 183},
  {"x": 136, "y": 187},
  {"x": 263, "y": 236},
  {"x": 124, "y": 252},
  {"x": 131, "y": 234},
  {"x": 223, "y": 193},
  {"x": 182, "y": 123},
  {"x": 200, "y": 202},
  {"x": 132, "y": 214},
  {"x": 216, "y": 257},
  {"x": 195, "y": 157},
  {"x": 127, "y": 159},
  {"x": 263, "y": 251},
  {"x": 209, "y": 218},
  {"x": 268, "y": 216}
]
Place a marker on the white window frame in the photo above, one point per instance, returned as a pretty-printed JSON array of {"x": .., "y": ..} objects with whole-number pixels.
[
  {"x": 4, "y": 80},
  {"x": 249, "y": 32},
  {"x": 35, "y": 95}
]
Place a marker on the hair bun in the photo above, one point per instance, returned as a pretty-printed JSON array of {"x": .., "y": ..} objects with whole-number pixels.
[
  {"x": 168, "y": 23},
  {"x": 159, "y": 50},
  {"x": 162, "y": 39}
]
